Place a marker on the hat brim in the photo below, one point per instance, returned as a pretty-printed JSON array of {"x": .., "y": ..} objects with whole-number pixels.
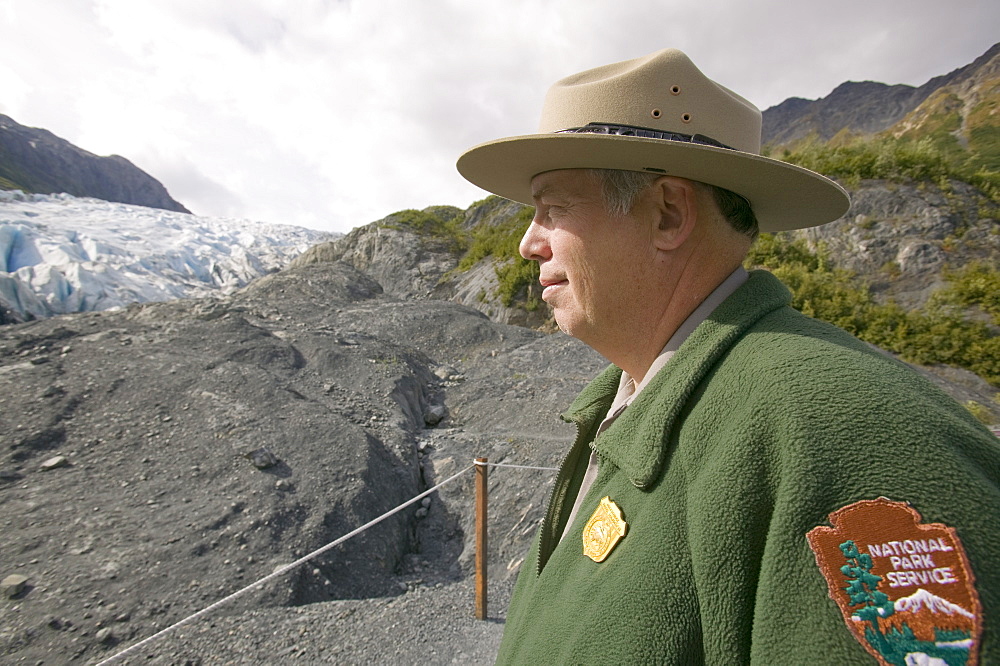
[{"x": 783, "y": 196}]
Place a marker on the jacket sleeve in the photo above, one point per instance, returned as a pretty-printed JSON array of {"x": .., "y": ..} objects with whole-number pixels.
[{"x": 809, "y": 448}]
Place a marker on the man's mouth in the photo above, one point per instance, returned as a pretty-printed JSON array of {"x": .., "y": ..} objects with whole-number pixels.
[{"x": 549, "y": 287}]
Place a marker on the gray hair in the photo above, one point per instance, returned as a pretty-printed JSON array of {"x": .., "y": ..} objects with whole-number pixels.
[{"x": 622, "y": 189}]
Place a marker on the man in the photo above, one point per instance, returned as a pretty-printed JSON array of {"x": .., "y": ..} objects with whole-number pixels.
[{"x": 747, "y": 485}]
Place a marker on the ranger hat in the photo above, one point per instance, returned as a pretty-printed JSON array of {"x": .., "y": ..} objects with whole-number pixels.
[{"x": 657, "y": 114}]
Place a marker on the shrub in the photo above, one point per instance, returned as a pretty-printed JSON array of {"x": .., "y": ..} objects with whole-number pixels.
[
  {"x": 982, "y": 414},
  {"x": 976, "y": 284},
  {"x": 446, "y": 228},
  {"x": 515, "y": 274},
  {"x": 934, "y": 334},
  {"x": 893, "y": 159}
]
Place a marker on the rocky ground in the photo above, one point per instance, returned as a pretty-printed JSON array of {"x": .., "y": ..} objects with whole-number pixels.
[{"x": 159, "y": 458}]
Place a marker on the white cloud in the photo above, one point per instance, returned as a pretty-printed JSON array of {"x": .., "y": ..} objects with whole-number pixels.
[{"x": 332, "y": 114}]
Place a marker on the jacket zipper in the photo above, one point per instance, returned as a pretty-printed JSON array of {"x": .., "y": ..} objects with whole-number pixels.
[{"x": 547, "y": 540}]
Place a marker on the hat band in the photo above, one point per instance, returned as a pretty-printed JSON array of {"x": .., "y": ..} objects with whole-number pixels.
[{"x": 645, "y": 133}]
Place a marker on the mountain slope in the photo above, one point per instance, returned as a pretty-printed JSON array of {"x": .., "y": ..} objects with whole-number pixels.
[
  {"x": 864, "y": 108},
  {"x": 36, "y": 160},
  {"x": 961, "y": 117}
]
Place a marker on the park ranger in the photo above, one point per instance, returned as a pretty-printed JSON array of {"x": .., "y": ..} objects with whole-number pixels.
[{"x": 747, "y": 484}]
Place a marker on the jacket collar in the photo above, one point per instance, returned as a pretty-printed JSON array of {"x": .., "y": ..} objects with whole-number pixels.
[{"x": 638, "y": 441}]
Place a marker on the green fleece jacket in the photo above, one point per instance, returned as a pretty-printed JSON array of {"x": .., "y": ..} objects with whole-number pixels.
[{"x": 763, "y": 423}]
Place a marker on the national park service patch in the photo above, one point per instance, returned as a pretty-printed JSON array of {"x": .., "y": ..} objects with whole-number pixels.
[{"x": 905, "y": 588}]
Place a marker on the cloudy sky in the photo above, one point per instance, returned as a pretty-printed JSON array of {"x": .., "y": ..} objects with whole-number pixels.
[{"x": 333, "y": 113}]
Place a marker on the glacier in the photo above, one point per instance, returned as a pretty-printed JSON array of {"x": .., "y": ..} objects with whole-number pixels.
[{"x": 61, "y": 254}]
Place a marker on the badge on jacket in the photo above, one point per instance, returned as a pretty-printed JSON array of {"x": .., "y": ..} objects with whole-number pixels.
[
  {"x": 905, "y": 588},
  {"x": 604, "y": 530}
]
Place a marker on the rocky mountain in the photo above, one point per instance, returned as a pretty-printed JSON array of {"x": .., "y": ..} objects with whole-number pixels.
[
  {"x": 868, "y": 107},
  {"x": 912, "y": 614},
  {"x": 36, "y": 160},
  {"x": 422, "y": 254},
  {"x": 901, "y": 238}
]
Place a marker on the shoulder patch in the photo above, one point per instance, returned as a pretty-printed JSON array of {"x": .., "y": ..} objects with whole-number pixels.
[{"x": 905, "y": 588}]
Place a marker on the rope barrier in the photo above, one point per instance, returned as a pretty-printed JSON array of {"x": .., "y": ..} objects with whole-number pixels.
[
  {"x": 283, "y": 570},
  {"x": 484, "y": 464}
]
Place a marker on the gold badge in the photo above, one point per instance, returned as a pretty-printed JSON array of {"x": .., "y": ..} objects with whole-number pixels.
[{"x": 603, "y": 531}]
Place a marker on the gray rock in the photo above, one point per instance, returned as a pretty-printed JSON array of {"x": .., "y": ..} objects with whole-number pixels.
[
  {"x": 919, "y": 257},
  {"x": 407, "y": 264},
  {"x": 13, "y": 585},
  {"x": 898, "y": 237},
  {"x": 444, "y": 372},
  {"x": 435, "y": 414},
  {"x": 54, "y": 463},
  {"x": 262, "y": 458}
]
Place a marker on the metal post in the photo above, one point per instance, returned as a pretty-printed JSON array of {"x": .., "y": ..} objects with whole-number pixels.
[{"x": 481, "y": 497}]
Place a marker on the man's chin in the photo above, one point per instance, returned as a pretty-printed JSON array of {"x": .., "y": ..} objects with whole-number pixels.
[
  {"x": 567, "y": 324},
  {"x": 561, "y": 322}
]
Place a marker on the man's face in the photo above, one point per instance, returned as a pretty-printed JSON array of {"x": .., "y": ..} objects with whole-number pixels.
[{"x": 593, "y": 267}]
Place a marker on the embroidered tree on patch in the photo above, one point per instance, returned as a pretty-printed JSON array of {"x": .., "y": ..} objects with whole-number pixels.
[{"x": 862, "y": 588}]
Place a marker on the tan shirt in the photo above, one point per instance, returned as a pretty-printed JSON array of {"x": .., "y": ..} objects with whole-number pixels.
[{"x": 627, "y": 388}]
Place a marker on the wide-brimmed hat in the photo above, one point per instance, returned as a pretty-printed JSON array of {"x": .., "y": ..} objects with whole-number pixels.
[{"x": 657, "y": 114}]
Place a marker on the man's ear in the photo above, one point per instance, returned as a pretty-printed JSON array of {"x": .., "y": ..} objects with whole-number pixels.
[{"x": 674, "y": 204}]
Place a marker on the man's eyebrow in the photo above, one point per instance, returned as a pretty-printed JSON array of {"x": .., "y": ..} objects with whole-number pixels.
[
  {"x": 549, "y": 190},
  {"x": 541, "y": 192}
]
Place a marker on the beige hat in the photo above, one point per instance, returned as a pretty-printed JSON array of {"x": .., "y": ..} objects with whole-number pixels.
[{"x": 657, "y": 114}]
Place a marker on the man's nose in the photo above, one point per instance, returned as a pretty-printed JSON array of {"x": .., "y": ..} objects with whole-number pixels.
[{"x": 534, "y": 244}]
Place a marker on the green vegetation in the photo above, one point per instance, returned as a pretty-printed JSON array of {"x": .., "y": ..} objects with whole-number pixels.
[
  {"x": 515, "y": 275},
  {"x": 939, "y": 140},
  {"x": 517, "y": 278},
  {"x": 976, "y": 284},
  {"x": 499, "y": 241},
  {"x": 440, "y": 223},
  {"x": 937, "y": 333},
  {"x": 9, "y": 184},
  {"x": 938, "y": 121},
  {"x": 11, "y": 178},
  {"x": 888, "y": 158},
  {"x": 982, "y": 413},
  {"x": 984, "y": 132}
]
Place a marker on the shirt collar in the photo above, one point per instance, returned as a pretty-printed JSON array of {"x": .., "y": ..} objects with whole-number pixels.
[{"x": 643, "y": 438}]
